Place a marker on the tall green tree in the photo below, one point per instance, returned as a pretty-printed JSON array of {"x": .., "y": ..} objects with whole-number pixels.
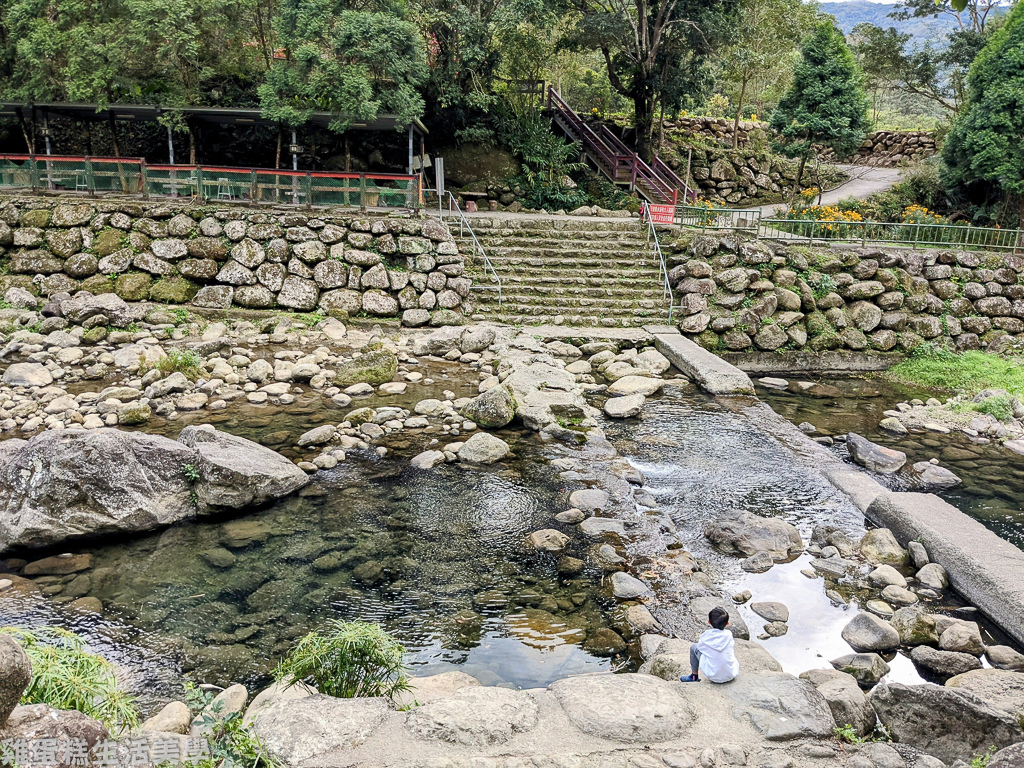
[
  {"x": 352, "y": 63},
  {"x": 826, "y": 103},
  {"x": 654, "y": 50},
  {"x": 767, "y": 32},
  {"x": 986, "y": 143}
]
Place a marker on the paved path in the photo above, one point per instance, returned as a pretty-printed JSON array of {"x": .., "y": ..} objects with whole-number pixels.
[{"x": 864, "y": 182}]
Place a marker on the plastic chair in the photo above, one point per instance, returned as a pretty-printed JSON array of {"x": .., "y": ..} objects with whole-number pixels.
[{"x": 224, "y": 190}]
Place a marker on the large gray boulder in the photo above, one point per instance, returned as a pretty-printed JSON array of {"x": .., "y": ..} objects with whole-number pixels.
[
  {"x": 483, "y": 448},
  {"x": 475, "y": 716},
  {"x": 62, "y": 485},
  {"x": 110, "y": 305},
  {"x": 546, "y": 394},
  {"x": 378, "y": 367},
  {"x": 867, "y": 632},
  {"x": 845, "y": 699},
  {"x": 873, "y": 456},
  {"x": 999, "y": 688},
  {"x": 235, "y": 473},
  {"x": 15, "y": 675},
  {"x": 298, "y": 730},
  {"x": 943, "y": 664},
  {"x": 494, "y": 409},
  {"x": 944, "y": 722},
  {"x": 27, "y": 375},
  {"x": 746, "y": 534},
  {"x": 62, "y": 728},
  {"x": 780, "y": 706},
  {"x": 631, "y": 708}
]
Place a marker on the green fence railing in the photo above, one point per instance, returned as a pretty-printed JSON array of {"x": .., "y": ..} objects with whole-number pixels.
[{"x": 134, "y": 177}]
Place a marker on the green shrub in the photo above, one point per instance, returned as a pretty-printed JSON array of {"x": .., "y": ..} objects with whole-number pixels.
[
  {"x": 999, "y": 407},
  {"x": 347, "y": 659},
  {"x": 185, "y": 361},
  {"x": 969, "y": 372},
  {"x": 66, "y": 676},
  {"x": 232, "y": 745}
]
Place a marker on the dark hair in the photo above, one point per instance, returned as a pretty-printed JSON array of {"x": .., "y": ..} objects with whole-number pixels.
[{"x": 718, "y": 618}]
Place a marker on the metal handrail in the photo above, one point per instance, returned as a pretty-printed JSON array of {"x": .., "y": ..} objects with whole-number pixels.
[
  {"x": 453, "y": 207},
  {"x": 655, "y": 245}
]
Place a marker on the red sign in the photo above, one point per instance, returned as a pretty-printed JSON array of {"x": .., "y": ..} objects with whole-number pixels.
[{"x": 662, "y": 214}]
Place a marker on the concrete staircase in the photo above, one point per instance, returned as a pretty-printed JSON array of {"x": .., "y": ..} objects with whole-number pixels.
[{"x": 571, "y": 271}]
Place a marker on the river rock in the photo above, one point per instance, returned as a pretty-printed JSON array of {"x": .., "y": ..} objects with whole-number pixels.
[
  {"x": 880, "y": 546},
  {"x": 175, "y": 717},
  {"x": 1004, "y": 657},
  {"x": 933, "y": 576},
  {"x": 296, "y": 731},
  {"x": 624, "y": 407},
  {"x": 228, "y": 702},
  {"x": 475, "y": 716},
  {"x": 15, "y": 675},
  {"x": 845, "y": 699},
  {"x": 943, "y": 722},
  {"x": 377, "y": 367},
  {"x": 781, "y": 706},
  {"x": 630, "y": 708},
  {"x": 548, "y": 540},
  {"x": 493, "y": 409},
  {"x": 110, "y": 305},
  {"x": 64, "y": 484},
  {"x": 316, "y": 436},
  {"x": 700, "y": 608},
  {"x": 235, "y": 473},
  {"x": 602, "y": 526},
  {"x": 635, "y": 385},
  {"x": 866, "y": 632},
  {"x": 483, "y": 448},
  {"x": 589, "y": 499},
  {"x": 545, "y": 394},
  {"x": 873, "y": 456},
  {"x": 915, "y": 625},
  {"x": 866, "y": 668},
  {"x": 36, "y": 722},
  {"x": 884, "y": 575},
  {"x": 932, "y": 477},
  {"x": 58, "y": 565},
  {"x": 962, "y": 637},
  {"x": 743, "y": 533},
  {"x": 943, "y": 664},
  {"x": 1010, "y": 757},
  {"x": 427, "y": 459},
  {"x": 998, "y": 688},
  {"x": 272, "y": 694},
  {"x": 759, "y": 562},
  {"x": 27, "y": 375},
  {"x": 771, "y": 611},
  {"x": 626, "y": 587}
]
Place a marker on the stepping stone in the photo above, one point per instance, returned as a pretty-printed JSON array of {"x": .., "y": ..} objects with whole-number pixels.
[{"x": 475, "y": 716}]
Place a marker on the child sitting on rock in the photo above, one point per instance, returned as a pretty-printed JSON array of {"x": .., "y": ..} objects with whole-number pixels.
[{"x": 713, "y": 656}]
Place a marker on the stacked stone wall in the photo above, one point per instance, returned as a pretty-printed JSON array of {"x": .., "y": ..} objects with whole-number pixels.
[
  {"x": 740, "y": 295},
  {"x": 335, "y": 261}
]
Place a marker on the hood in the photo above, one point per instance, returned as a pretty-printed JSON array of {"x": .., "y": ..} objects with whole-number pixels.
[{"x": 718, "y": 639}]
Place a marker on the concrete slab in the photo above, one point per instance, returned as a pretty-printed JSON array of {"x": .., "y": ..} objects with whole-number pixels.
[
  {"x": 711, "y": 372},
  {"x": 984, "y": 568},
  {"x": 563, "y": 332},
  {"x": 658, "y": 330},
  {"x": 800, "y": 361}
]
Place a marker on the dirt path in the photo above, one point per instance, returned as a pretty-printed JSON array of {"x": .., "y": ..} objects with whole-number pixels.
[{"x": 863, "y": 182}]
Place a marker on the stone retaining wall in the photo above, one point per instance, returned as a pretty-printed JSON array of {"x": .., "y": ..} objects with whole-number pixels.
[
  {"x": 335, "y": 261},
  {"x": 738, "y": 295}
]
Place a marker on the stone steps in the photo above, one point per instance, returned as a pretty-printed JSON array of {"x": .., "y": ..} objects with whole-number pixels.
[{"x": 562, "y": 243}]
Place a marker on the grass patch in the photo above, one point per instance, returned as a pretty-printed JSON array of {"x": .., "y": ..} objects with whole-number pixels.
[
  {"x": 66, "y": 676},
  {"x": 186, "y": 362},
  {"x": 968, "y": 372}
]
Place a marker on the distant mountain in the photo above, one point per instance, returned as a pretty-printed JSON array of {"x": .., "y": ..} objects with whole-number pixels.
[{"x": 850, "y": 14}]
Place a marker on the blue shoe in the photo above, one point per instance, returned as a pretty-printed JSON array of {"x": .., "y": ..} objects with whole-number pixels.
[{"x": 689, "y": 679}]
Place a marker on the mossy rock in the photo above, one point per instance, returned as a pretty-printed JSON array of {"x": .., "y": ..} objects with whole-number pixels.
[
  {"x": 95, "y": 335},
  {"x": 818, "y": 324},
  {"x": 828, "y": 340},
  {"x": 18, "y": 281},
  {"x": 98, "y": 284},
  {"x": 173, "y": 290},
  {"x": 107, "y": 241},
  {"x": 133, "y": 286},
  {"x": 37, "y": 218},
  {"x": 373, "y": 368},
  {"x": 709, "y": 340},
  {"x": 442, "y": 317}
]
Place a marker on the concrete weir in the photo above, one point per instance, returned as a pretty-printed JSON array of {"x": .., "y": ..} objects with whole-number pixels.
[
  {"x": 712, "y": 373},
  {"x": 982, "y": 567}
]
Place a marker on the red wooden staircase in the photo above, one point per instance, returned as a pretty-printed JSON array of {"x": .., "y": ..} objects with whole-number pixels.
[{"x": 657, "y": 183}]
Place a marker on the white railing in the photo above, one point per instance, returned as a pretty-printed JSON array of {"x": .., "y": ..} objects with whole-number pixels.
[
  {"x": 464, "y": 226},
  {"x": 655, "y": 245}
]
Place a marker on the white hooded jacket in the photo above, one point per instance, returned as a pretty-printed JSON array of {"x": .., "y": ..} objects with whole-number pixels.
[{"x": 717, "y": 656}]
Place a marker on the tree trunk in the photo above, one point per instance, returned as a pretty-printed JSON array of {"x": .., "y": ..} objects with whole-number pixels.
[
  {"x": 191, "y": 145},
  {"x": 799, "y": 176},
  {"x": 280, "y": 138},
  {"x": 643, "y": 111},
  {"x": 113, "y": 132},
  {"x": 739, "y": 110}
]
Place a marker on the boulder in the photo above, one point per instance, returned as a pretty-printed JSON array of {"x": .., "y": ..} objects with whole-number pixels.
[
  {"x": 873, "y": 456},
  {"x": 880, "y": 546},
  {"x": 866, "y": 668},
  {"x": 295, "y": 731},
  {"x": 780, "y": 706},
  {"x": 1004, "y": 657},
  {"x": 845, "y": 699},
  {"x": 962, "y": 637},
  {"x": 546, "y": 394},
  {"x": 944, "y": 722},
  {"x": 427, "y": 459},
  {"x": 174, "y": 717},
  {"x": 915, "y": 626},
  {"x": 743, "y": 533},
  {"x": 635, "y": 385},
  {"x": 62, "y": 485},
  {"x": 1010, "y": 757},
  {"x": 27, "y": 375},
  {"x": 626, "y": 587},
  {"x": 15, "y": 675},
  {"x": 630, "y": 708},
  {"x": 61, "y": 728},
  {"x": 771, "y": 611},
  {"x": 998, "y": 688},
  {"x": 475, "y": 716},
  {"x": 235, "y": 473},
  {"x": 376, "y": 367},
  {"x": 548, "y": 540},
  {"x": 867, "y": 632},
  {"x": 624, "y": 407},
  {"x": 886, "y": 575},
  {"x": 943, "y": 664},
  {"x": 110, "y": 305},
  {"x": 439, "y": 686},
  {"x": 493, "y": 409},
  {"x": 483, "y": 448}
]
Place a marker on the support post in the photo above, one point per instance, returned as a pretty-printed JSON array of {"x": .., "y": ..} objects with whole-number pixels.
[{"x": 410, "y": 149}]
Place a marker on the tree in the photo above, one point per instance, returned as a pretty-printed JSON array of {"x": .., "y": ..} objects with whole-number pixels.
[
  {"x": 971, "y": 15},
  {"x": 986, "y": 143},
  {"x": 654, "y": 50},
  {"x": 768, "y": 31},
  {"x": 354, "y": 64},
  {"x": 826, "y": 103}
]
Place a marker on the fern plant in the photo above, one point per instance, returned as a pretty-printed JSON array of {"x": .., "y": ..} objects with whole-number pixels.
[
  {"x": 347, "y": 659},
  {"x": 66, "y": 676}
]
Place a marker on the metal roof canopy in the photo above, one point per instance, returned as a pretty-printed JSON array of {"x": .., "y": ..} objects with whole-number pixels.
[{"x": 218, "y": 115}]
